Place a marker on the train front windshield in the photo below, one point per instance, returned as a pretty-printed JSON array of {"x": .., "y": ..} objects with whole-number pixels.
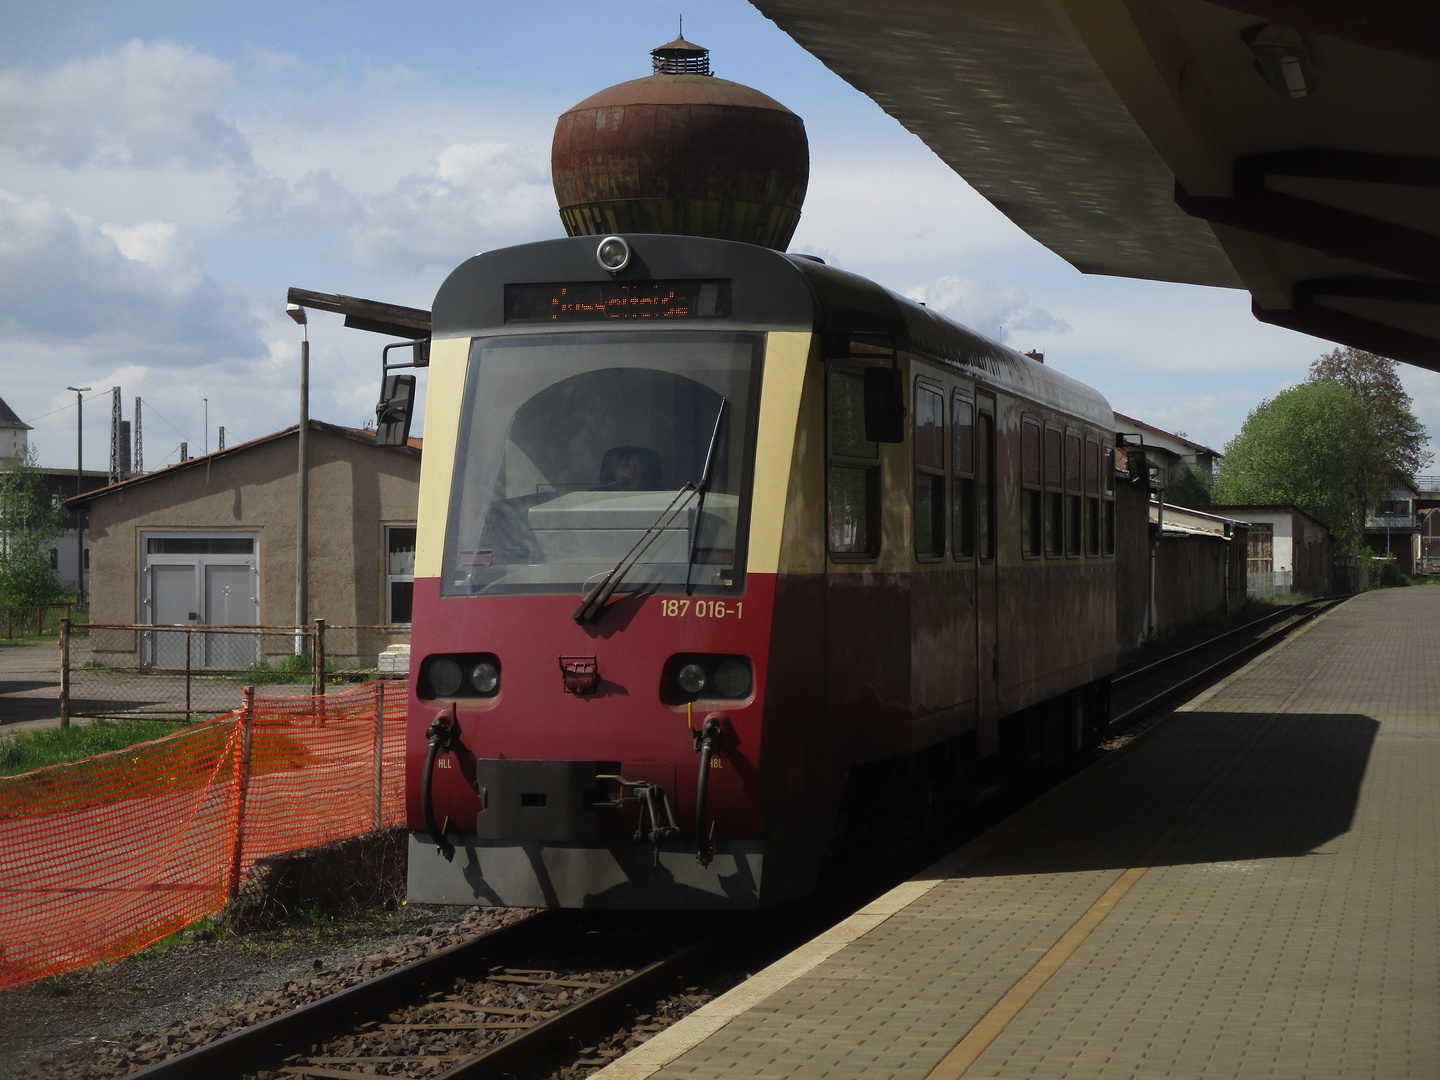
[{"x": 572, "y": 446}]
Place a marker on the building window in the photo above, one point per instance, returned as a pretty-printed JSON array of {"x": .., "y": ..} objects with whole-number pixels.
[
  {"x": 852, "y": 477},
  {"x": 54, "y": 558},
  {"x": 399, "y": 572},
  {"x": 1030, "y": 487},
  {"x": 87, "y": 558},
  {"x": 1054, "y": 496},
  {"x": 929, "y": 472},
  {"x": 963, "y": 493}
]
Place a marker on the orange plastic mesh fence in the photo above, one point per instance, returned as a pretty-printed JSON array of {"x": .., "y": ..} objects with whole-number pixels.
[{"x": 101, "y": 857}]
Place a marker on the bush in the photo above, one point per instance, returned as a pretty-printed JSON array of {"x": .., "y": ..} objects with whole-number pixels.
[{"x": 295, "y": 668}]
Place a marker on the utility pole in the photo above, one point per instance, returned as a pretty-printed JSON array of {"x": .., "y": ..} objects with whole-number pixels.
[
  {"x": 80, "y": 392},
  {"x": 302, "y": 510},
  {"x": 139, "y": 446},
  {"x": 117, "y": 467}
]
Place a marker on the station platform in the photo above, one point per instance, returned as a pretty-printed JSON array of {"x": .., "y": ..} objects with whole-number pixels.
[{"x": 1251, "y": 888}]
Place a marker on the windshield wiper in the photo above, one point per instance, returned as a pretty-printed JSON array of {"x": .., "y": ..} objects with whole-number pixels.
[
  {"x": 592, "y": 606},
  {"x": 704, "y": 486}
]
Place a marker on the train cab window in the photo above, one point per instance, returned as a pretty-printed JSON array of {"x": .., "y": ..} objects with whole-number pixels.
[
  {"x": 1054, "y": 496},
  {"x": 929, "y": 472},
  {"x": 985, "y": 486},
  {"x": 962, "y": 510},
  {"x": 1107, "y": 520},
  {"x": 1073, "y": 502},
  {"x": 1030, "y": 487},
  {"x": 852, "y": 475},
  {"x": 572, "y": 446},
  {"x": 1092, "y": 497}
]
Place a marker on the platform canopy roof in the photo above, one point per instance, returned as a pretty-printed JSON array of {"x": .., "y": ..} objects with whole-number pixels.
[{"x": 1287, "y": 147}]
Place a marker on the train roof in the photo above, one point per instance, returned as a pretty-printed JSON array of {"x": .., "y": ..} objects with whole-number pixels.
[{"x": 769, "y": 291}]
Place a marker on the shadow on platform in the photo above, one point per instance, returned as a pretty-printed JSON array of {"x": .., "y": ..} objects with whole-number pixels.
[{"x": 1292, "y": 790}]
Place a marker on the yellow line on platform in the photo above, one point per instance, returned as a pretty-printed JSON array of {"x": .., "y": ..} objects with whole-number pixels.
[{"x": 959, "y": 1060}]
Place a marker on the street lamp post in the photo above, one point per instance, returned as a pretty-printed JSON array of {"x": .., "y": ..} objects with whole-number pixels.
[
  {"x": 302, "y": 512},
  {"x": 80, "y": 392}
]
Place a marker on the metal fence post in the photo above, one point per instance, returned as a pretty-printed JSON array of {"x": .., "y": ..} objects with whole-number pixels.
[
  {"x": 242, "y": 785},
  {"x": 377, "y": 792},
  {"x": 187, "y": 675},
  {"x": 319, "y": 688},
  {"x": 9, "y": 622},
  {"x": 65, "y": 672},
  {"x": 39, "y": 622}
]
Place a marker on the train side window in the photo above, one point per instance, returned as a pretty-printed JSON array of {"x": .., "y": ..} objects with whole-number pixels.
[
  {"x": 1107, "y": 525},
  {"x": 1092, "y": 497},
  {"x": 1030, "y": 487},
  {"x": 929, "y": 472},
  {"x": 985, "y": 485},
  {"x": 1073, "y": 500},
  {"x": 962, "y": 512},
  {"x": 852, "y": 475},
  {"x": 1054, "y": 496}
]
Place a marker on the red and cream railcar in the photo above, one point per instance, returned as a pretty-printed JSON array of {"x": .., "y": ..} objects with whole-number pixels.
[{"x": 677, "y": 586}]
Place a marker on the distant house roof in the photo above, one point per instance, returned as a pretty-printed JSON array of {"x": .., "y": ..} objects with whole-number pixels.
[
  {"x": 1168, "y": 434},
  {"x": 9, "y": 419},
  {"x": 1270, "y": 508},
  {"x": 412, "y": 446}
]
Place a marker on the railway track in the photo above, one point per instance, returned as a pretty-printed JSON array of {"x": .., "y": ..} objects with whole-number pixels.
[
  {"x": 562, "y": 991},
  {"x": 1141, "y": 691},
  {"x": 556, "y": 990}
]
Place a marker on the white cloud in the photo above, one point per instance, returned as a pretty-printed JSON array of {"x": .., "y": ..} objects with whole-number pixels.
[
  {"x": 472, "y": 197},
  {"x": 110, "y": 292},
  {"x": 989, "y": 309},
  {"x": 139, "y": 105}
]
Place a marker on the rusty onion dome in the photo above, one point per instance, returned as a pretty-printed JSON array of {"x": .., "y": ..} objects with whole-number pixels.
[{"x": 681, "y": 153}]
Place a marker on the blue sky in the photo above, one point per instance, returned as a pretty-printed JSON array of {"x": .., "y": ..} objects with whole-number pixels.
[{"x": 167, "y": 170}]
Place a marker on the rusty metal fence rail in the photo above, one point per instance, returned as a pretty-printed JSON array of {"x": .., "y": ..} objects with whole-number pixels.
[
  {"x": 197, "y": 671},
  {"x": 35, "y": 621},
  {"x": 101, "y": 857}
]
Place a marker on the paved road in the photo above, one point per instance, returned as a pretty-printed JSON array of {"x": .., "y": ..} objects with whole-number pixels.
[{"x": 29, "y": 686}]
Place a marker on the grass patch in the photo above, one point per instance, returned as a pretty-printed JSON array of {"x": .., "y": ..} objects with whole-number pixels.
[
  {"x": 292, "y": 669},
  {"x": 29, "y": 750}
]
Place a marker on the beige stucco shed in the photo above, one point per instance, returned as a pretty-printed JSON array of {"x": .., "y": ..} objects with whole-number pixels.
[{"x": 212, "y": 540}]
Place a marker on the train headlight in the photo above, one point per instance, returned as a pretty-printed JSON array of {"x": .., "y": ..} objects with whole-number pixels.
[
  {"x": 613, "y": 254},
  {"x": 445, "y": 677},
  {"x": 732, "y": 677},
  {"x": 485, "y": 677},
  {"x": 691, "y": 679}
]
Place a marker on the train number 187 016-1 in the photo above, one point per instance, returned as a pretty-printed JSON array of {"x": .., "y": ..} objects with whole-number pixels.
[{"x": 701, "y": 609}]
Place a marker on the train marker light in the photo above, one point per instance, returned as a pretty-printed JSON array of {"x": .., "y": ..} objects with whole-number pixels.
[
  {"x": 445, "y": 677},
  {"x": 732, "y": 678},
  {"x": 485, "y": 677},
  {"x": 691, "y": 678},
  {"x": 613, "y": 254}
]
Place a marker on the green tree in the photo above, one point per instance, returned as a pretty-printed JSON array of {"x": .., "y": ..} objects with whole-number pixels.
[
  {"x": 1185, "y": 487},
  {"x": 1311, "y": 446},
  {"x": 29, "y": 521},
  {"x": 1400, "y": 438}
]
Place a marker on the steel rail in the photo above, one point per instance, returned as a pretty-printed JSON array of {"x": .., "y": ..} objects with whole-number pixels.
[
  {"x": 1191, "y": 682},
  {"x": 1166, "y": 661},
  {"x": 265, "y": 1045}
]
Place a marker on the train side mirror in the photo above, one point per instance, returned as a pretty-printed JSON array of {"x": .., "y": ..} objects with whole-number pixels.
[
  {"x": 1138, "y": 467},
  {"x": 884, "y": 405},
  {"x": 392, "y": 415}
]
